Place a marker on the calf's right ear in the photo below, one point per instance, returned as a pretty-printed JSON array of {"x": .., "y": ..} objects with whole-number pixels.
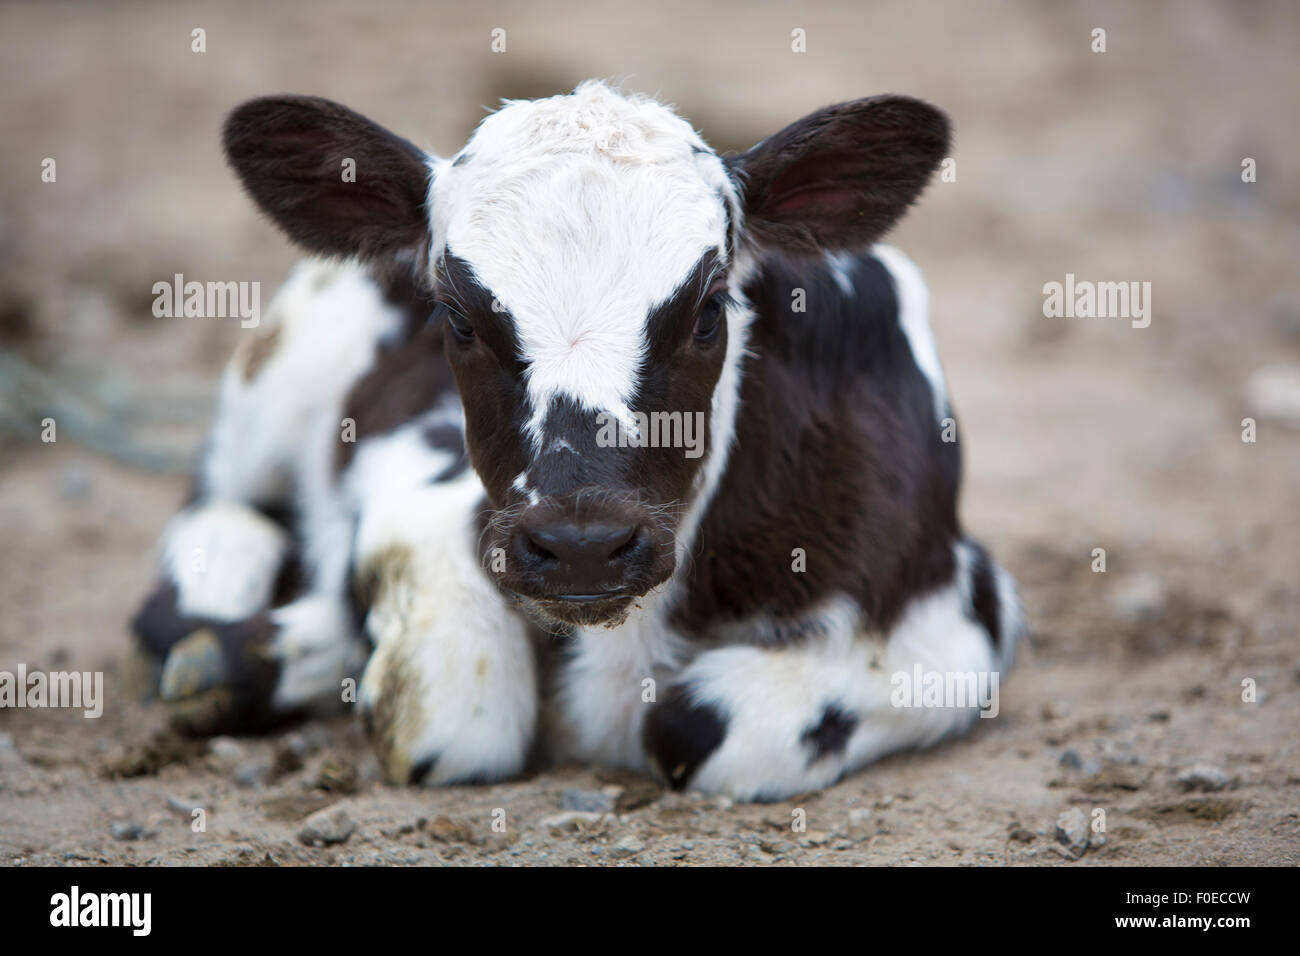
[{"x": 291, "y": 154}]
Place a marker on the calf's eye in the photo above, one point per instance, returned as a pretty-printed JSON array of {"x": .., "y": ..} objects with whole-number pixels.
[
  {"x": 710, "y": 318},
  {"x": 459, "y": 325}
]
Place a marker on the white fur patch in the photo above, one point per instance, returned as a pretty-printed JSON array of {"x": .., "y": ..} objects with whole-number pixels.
[
  {"x": 453, "y": 676},
  {"x": 914, "y": 317},
  {"x": 316, "y": 648},
  {"x": 396, "y": 461},
  {"x": 772, "y": 698},
  {"x": 223, "y": 558},
  {"x": 277, "y": 429},
  {"x": 317, "y": 645},
  {"x": 580, "y": 213},
  {"x": 325, "y": 321},
  {"x": 601, "y": 700}
]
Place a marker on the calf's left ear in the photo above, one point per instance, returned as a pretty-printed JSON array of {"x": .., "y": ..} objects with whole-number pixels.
[{"x": 840, "y": 177}]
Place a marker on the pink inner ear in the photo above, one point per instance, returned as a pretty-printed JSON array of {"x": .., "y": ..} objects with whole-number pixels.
[
  {"x": 827, "y": 198},
  {"x": 818, "y": 181},
  {"x": 356, "y": 203}
]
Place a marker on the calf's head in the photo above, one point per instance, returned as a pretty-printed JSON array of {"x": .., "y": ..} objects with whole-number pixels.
[{"x": 587, "y": 253}]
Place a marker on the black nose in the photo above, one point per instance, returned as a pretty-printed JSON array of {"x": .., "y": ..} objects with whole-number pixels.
[{"x": 579, "y": 559}]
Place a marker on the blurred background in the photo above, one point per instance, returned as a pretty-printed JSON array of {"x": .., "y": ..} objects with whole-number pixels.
[{"x": 1123, "y": 165}]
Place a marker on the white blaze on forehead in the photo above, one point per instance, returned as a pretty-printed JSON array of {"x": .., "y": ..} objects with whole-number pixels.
[{"x": 580, "y": 213}]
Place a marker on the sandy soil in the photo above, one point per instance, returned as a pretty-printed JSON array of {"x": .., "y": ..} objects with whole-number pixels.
[{"x": 1080, "y": 434}]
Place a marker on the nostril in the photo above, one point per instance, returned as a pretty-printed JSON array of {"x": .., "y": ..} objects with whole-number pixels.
[
  {"x": 629, "y": 544},
  {"x": 533, "y": 548}
]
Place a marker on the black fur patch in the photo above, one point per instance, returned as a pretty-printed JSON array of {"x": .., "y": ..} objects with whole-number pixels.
[
  {"x": 359, "y": 595},
  {"x": 159, "y": 623},
  {"x": 243, "y": 703},
  {"x": 837, "y": 453},
  {"x": 408, "y": 378},
  {"x": 831, "y": 734},
  {"x": 423, "y": 769},
  {"x": 986, "y": 606},
  {"x": 680, "y": 735}
]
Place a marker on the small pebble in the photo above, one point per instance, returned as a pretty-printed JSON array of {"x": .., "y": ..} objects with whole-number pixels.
[
  {"x": 1072, "y": 831},
  {"x": 447, "y": 830},
  {"x": 324, "y": 827},
  {"x": 1203, "y": 776},
  {"x": 626, "y": 848},
  {"x": 861, "y": 823},
  {"x": 185, "y": 808},
  {"x": 227, "y": 750},
  {"x": 571, "y": 820},
  {"x": 1119, "y": 752},
  {"x": 128, "y": 831},
  {"x": 253, "y": 773}
]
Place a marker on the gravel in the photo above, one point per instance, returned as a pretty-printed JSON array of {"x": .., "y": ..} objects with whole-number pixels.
[{"x": 588, "y": 801}]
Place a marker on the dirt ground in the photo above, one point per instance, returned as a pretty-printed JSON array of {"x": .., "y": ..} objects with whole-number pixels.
[{"x": 1079, "y": 433}]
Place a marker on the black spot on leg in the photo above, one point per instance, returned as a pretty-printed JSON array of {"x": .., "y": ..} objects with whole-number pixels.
[
  {"x": 159, "y": 623},
  {"x": 243, "y": 703},
  {"x": 291, "y": 581},
  {"x": 423, "y": 769},
  {"x": 986, "y": 606},
  {"x": 831, "y": 734},
  {"x": 358, "y": 596},
  {"x": 234, "y": 693},
  {"x": 680, "y": 735}
]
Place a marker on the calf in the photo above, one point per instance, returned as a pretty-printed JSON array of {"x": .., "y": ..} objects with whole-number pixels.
[{"x": 437, "y": 462}]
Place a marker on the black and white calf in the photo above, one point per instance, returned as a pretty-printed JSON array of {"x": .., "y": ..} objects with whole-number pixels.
[{"x": 410, "y": 477}]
